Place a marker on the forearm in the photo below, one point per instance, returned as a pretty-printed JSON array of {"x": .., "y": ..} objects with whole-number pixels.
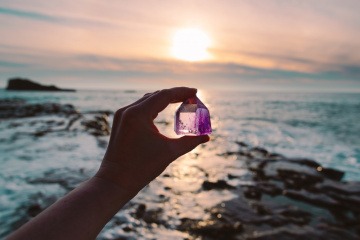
[{"x": 81, "y": 214}]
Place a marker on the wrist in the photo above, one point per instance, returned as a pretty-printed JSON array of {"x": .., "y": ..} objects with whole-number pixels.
[{"x": 122, "y": 184}]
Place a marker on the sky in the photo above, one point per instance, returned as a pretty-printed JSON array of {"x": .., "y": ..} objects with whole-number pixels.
[{"x": 253, "y": 45}]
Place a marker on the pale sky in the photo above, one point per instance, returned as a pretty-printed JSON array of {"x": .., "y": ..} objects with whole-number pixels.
[{"x": 253, "y": 45}]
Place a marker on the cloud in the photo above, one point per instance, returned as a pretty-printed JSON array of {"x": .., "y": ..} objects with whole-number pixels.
[
  {"x": 254, "y": 41},
  {"x": 102, "y": 67},
  {"x": 28, "y": 14},
  {"x": 56, "y": 19}
]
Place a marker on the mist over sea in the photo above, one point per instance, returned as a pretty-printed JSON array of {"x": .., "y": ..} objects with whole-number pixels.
[{"x": 320, "y": 126}]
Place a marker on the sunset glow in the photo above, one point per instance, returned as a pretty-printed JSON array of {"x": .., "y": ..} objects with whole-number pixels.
[
  {"x": 190, "y": 44},
  {"x": 155, "y": 44}
]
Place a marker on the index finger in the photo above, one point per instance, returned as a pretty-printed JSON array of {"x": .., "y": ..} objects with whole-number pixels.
[{"x": 162, "y": 99}]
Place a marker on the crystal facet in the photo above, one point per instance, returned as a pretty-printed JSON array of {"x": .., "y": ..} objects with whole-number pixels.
[{"x": 192, "y": 118}]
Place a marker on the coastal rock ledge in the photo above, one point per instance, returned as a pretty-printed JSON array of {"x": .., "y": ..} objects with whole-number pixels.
[{"x": 22, "y": 84}]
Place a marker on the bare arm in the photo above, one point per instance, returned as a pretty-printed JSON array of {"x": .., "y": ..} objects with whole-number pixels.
[{"x": 137, "y": 153}]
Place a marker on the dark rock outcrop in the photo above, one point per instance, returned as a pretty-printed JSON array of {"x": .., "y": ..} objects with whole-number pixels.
[
  {"x": 220, "y": 184},
  {"x": 66, "y": 118},
  {"x": 19, "y": 108},
  {"x": 22, "y": 84}
]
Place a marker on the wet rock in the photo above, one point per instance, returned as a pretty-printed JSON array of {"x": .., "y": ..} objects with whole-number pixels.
[
  {"x": 260, "y": 209},
  {"x": 35, "y": 205},
  {"x": 252, "y": 193},
  {"x": 67, "y": 178},
  {"x": 34, "y": 210},
  {"x": 295, "y": 215},
  {"x": 231, "y": 176},
  {"x": 286, "y": 198},
  {"x": 100, "y": 112},
  {"x": 320, "y": 200},
  {"x": 127, "y": 229},
  {"x": 140, "y": 211},
  {"x": 15, "y": 108},
  {"x": 214, "y": 229},
  {"x": 220, "y": 184},
  {"x": 153, "y": 216},
  {"x": 269, "y": 188},
  {"x": 303, "y": 161},
  {"x": 98, "y": 126},
  {"x": 149, "y": 215},
  {"x": 258, "y": 152},
  {"x": 238, "y": 153},
  {"x": 40, "y": 133},
  {"x": 331, "y": 173},
  {"x": 297, "y": 180},
  {"x": 242, "y": 144}
]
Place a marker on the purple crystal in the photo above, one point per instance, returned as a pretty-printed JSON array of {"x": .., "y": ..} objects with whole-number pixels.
[{"x": 192, "y": 118}]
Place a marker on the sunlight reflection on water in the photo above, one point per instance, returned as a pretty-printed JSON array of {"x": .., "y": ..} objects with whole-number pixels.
[{"x": 321, "y": 127}]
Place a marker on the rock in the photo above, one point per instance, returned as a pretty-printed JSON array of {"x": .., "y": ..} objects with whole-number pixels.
[
  {"x": 288, "y": 198},
  {"x": 127, "y": 229},
  {"x": 269, "y": 188},
  {"x": 153, "y": 216},
  {"x": 295, "y": 215},
  {"x": 140, "y": 211},
  {"x": 331, "y": 173},
  {"x": 220, "y": 184},
  {"x": 149, "y": 215},
  {"x": 34, "y": 210},
  {"x": 35, "y": 205},
  {"x": 258, "y": 152},
  {"x": 22, "y": 84},
  {"x": 242, "y": 144},
  {"x": 317, "y": 199},
  {"x": 297, "y": 180},
  {"x": 238, "y": 153},
  {"x": 231, "y": 176},
  {"x": 211, "y": 228},
  {"x": 101, "y": 112},
  {"x": 98, "y": 126},
  {"x": 15, "y": 108},
  {"x": 252, "y": 193},
  {"x": 65, "y": 177}
]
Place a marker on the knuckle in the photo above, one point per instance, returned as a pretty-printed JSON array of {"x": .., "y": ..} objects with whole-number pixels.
[
  {"x": 119, "y": 113},
  {"x": 165, "y": 93},
  {"x": 131, "y": 113}
]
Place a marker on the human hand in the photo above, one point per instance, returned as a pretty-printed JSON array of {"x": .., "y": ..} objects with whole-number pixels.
[{"x": 137, "y": 153}]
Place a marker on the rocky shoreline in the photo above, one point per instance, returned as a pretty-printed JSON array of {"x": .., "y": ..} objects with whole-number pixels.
[{"x": 264, "y": 195}]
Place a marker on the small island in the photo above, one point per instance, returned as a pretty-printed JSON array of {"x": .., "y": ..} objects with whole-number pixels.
[{"x": 22, "y": 84}]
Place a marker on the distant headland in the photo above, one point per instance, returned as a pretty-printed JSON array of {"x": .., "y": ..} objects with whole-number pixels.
[{"x": 23, "y": 84}]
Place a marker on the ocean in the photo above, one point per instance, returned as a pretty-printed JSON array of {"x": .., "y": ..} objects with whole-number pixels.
[{"x": 320, "y": 126}]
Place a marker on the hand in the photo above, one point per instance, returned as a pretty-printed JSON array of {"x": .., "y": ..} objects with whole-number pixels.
[{"x": 137, "y": 153}]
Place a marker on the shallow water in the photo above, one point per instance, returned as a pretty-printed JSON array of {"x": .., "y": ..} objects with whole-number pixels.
[{"x": 322, "y": 126}]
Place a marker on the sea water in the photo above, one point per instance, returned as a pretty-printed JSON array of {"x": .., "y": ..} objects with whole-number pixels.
[{"x": 320, "y": 126}]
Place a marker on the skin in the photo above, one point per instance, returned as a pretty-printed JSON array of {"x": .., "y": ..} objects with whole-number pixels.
[{"x": 137, "y": 153}]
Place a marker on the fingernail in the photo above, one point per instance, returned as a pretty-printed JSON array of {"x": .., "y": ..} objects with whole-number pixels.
[{"x": 205, "y": 138}]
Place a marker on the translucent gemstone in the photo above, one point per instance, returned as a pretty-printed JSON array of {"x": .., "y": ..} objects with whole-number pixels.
[{"x": 192, "y": 118}]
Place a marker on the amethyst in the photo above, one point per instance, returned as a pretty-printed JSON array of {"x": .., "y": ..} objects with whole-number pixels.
[{"x": 192, "y": 118}]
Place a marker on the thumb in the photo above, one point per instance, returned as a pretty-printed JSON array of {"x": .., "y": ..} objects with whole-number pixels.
[{"x": 187, "y": 143}]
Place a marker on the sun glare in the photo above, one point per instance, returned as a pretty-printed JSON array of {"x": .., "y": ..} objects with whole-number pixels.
[{"x": 190, "y": 44}]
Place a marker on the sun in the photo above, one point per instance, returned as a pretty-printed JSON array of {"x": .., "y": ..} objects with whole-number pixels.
[{"x": 190, "y": 44}]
